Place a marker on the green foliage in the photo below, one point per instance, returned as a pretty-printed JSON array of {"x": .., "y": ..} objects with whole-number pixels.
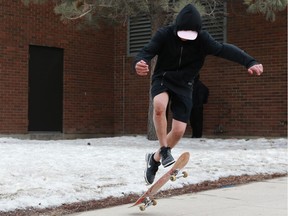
[
  {"x": 269, "y": 8},
  {"x": 109, "y": 11},
  {"x": 160, "y": 11}
]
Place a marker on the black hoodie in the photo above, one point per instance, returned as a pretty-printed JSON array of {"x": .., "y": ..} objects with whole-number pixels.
[{"x": 179, "y": 62}]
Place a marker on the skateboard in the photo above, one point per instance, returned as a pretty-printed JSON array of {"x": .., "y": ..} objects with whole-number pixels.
[{"x": 147, "y": 199}]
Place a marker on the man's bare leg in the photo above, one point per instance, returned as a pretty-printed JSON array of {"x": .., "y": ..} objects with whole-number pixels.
[
  {"x": 173, "y": 137},
  {"x": 176, "y": 133},
  {"x": 160, "y": 103}
]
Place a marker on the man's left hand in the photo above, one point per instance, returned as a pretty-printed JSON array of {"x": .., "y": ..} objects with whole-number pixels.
[{"x": 257, "y": 69}]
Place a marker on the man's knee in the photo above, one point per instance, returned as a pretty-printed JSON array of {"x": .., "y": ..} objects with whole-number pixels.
[
  {"x": 159, "y": 109},
  {"x": 160, "y": 104}
]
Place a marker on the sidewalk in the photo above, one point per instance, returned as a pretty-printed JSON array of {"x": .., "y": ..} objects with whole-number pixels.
[{"x": 264, "y": 198}]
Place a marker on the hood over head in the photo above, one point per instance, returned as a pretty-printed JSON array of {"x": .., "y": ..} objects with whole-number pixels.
[{"x": 188, "y": 23}]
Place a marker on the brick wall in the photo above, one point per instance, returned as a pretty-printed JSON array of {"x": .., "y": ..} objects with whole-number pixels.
[
  {"x": 242, "y": 104},
  {"x": 239, "y": 104},
  {"x": 88, "y": 69},
  {"x": 131, "y": 93},
  {"x": 102, "y": 96}
]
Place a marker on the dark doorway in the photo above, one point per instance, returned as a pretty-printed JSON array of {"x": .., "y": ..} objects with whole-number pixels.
[{"x": 45, "y": 110}]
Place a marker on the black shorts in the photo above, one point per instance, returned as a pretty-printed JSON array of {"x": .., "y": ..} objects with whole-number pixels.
[{"x": 180, "y": 105}]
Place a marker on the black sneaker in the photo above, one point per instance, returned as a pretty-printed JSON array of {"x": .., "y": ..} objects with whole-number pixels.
[
  {"x": 167, "y": 158},
  {"x": 151, "y": 169}
]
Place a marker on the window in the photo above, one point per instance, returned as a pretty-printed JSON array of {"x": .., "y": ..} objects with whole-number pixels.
[
  {"x": 216, "y": 24},
  {"x": 139, "y": 33}
]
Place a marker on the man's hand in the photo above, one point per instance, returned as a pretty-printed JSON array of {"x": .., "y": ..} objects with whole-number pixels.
[
  {"x": 257, "y": 69},
  {"x": 142, "y": 69}
]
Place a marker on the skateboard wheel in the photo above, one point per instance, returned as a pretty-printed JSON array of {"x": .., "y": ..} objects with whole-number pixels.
[
  {"x": 185, "y": 174},
  {"x": 173, "y": 178},
  {"x": 142, "y": 207},
  {"x": 154, "y": 202}
]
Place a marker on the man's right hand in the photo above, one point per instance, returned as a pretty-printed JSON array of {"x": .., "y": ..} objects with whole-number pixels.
[
  {"x": 256, "y": 69},
  {"x": 142, "y": 68}
]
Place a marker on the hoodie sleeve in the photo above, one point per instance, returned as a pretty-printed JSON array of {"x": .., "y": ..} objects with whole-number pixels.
[
  {"x": 152, "y": 49},
  {"x": 226, "y": 51}
]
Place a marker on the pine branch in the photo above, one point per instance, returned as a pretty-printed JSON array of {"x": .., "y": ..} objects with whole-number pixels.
[{"x": 268, "y": 8}]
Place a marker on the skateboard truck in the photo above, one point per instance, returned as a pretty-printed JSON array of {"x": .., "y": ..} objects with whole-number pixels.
[
  {"x": 147, "y": 202},
  {"x": 175, "y": 175}
]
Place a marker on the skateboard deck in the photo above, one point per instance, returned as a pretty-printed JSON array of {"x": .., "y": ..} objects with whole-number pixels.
[{"x": 147, "y": 198}]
